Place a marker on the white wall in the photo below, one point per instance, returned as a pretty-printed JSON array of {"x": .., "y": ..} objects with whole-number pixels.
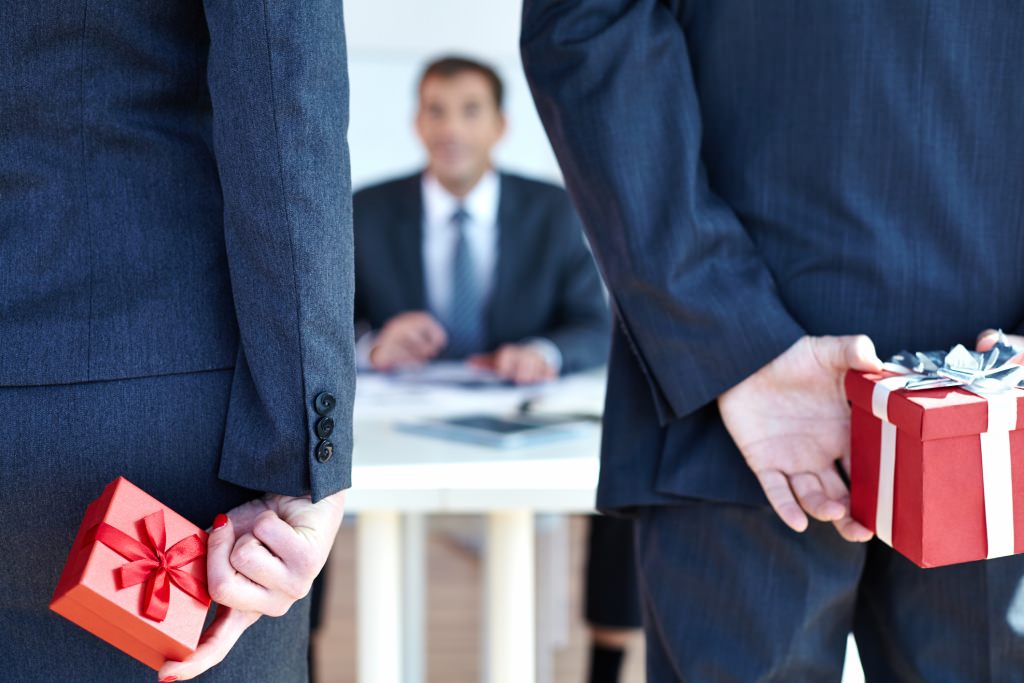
[{"x": 389, "y": 42}]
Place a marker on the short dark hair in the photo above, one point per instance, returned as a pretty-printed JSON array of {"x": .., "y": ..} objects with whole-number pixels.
[{"x": 452, "y": 65}]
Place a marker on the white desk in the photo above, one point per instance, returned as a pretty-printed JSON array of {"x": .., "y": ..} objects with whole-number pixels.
[{"x": 397, "y": 474}]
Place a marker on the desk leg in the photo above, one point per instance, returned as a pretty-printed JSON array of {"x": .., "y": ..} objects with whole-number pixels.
[
  {"x": 510, "y": 597},
  {"x": 414, "y": 592},
  {"x": 378, "y": 598}
]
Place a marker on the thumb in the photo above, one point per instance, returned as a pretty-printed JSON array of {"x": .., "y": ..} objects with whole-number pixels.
[
  {"x": 851, "y": 352},
  {"x": 986, "y": 340},
  {"x": 225, "y": 630},
  {"x": 219, "y": 542}
]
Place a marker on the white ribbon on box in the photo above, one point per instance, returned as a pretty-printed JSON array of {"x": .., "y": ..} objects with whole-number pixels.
[
  {"x": 989, "y": 375},
  {"x": 995, "y": 466}
]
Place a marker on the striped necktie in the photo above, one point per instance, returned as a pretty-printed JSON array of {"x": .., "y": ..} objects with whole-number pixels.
[{"x": 465, "y": 316}]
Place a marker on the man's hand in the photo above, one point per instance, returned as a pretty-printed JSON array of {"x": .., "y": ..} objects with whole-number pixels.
[
  {"x": 988, "y": 339},
  {"x": 519, "y": 363},
  {"x": 261, "y": 557},
  {"x": 791, "y": 421},
  {"x": 408, "y": 339}
]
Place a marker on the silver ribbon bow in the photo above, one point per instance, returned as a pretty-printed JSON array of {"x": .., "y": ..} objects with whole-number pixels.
[{"x": 985, "y": 374}]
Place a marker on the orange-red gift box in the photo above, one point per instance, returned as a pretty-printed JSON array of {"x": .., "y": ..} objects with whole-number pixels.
[
  {"x": 90, "y": 591},
  {"x": 938, "y": 474}
]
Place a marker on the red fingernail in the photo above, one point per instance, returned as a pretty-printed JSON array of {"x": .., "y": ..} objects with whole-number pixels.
[
  {"x": 219, "y": 521},
  {"x": 170, "y": 679}
]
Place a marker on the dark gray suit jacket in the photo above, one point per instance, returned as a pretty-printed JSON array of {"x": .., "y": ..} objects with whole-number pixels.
[
  {"x": 546, "y": 284},
  {"x": 174, "y": 198},
  {"x": 749, "y": 172}
]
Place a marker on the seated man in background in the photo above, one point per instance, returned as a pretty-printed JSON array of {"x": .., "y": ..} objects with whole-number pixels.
[{"x": 461, "y": 261}]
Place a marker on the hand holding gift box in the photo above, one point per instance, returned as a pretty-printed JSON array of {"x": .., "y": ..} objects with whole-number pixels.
[
  {"x": 136, "y": 576},
  {"x": 142, "y": 587},
  {"x": 938, "y": 455},
  {"x": 790, "y": 421}
]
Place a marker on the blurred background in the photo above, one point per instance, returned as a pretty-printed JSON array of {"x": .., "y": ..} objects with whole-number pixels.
[
  {"x": 384, "y": 72},
  {"x": 384, "y": 69}
]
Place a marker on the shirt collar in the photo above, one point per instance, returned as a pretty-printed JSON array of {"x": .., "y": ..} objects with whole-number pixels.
[{"x": 481, "y": 203}]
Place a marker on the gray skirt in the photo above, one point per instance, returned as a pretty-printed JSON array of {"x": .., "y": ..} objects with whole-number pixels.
[{"x": 59, "y": 446}]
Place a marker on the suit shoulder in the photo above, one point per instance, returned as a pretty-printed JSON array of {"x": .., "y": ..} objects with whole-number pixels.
[
  {"x": 536, "y": 189},
  {"x": 383, "y": 194},
  {"x": 548, "y": 203}
]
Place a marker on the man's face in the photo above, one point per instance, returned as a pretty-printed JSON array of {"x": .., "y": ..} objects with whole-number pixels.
[{"x": 459, "y": 123}]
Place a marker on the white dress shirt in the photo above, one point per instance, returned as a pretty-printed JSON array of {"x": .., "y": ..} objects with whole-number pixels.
[
  {"x": 440, "y": 235},
  {"x": 438, "y": 249}
]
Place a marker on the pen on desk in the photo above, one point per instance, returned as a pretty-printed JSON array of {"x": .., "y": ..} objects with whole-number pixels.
[{"x": 528, "y": 406}]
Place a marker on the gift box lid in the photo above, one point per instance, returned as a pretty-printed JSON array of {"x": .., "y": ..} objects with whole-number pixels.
[{"x": 928, "y": 414}]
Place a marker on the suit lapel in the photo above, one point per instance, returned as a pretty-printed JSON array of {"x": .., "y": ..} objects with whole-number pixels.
[
  {"x": 406, "y": 239},
  {"x": 500, "y": 307}
]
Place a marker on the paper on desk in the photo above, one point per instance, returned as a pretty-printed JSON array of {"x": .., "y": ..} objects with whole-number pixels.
[
  {"x": 447, "y": 373},
  {"x": 444, "y": 392}
]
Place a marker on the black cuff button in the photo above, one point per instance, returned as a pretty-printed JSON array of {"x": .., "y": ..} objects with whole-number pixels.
[
  {"x": 324, "y": 403},
  {"x": 324, "y": 427},
  {"x": 324, "y": 451}
]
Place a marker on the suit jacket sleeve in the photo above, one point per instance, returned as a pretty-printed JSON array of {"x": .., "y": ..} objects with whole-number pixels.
[
  {"x": 583, "y": 332},
  {"x": 279, "y": 91},
  {"x": 614, "y": 88}
]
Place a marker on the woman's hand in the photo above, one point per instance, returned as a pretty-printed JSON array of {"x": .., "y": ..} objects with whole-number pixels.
[{"x": 262, "y": 557}]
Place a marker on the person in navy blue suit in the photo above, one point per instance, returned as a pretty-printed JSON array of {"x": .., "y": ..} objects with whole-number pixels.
[
  {"x": 176, "y": 288},
  {"x": 462, "y": 260},
  {"x": 775, "y": 193}
]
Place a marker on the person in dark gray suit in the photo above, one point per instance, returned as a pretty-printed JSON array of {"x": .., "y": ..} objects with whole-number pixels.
[
  {"x": 176, "y": 279},
  {"x": 774, "y": 191},
  {"x": 463, "y": 261}
]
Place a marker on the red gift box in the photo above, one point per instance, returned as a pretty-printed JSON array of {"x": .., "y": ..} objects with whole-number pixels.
[
  {"x": 136, "y": 576},
  {"x": 938, "y": 474}
]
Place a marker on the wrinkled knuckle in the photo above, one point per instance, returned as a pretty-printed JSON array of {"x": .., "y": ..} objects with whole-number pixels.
[
  {"x": 306, "y": 566},
  {"x": 264, "y": 524},
  {"x": 242, "y": 557},
  {"x": 297, "y": 588},
  {"x": 220, "y": 592},
  {"x": 278, "y": 609}
]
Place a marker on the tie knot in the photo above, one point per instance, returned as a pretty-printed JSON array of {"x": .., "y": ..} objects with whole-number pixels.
[{"x": 460, "y": 217}]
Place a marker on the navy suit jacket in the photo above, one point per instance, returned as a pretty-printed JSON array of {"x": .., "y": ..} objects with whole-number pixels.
[
  {"x": 174, "y": 198},
  {"x": 749, "y": 172},
  {"x": 545, "y": 284}
]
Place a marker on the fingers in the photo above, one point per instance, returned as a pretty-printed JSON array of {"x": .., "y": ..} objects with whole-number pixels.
[
  {"x": 814, "y": 499},
  {"x": 852, "y": 530},
  {"x": 780, "y": 497},
  {"x": 285, "y": 561},
  {"x": 521, "y": 365},
  {"x": 852, "y": 352},
  {"x": 253, "y": 560},
  {"x": 227, "y": 587},
  {"x": 484, "y": 361},
  {"x": 217, "y": 641},
  {"x": 406, "y": 339},
  {"x": 986, "y": 340},
  {"x": 847, "y": 526},
  {"x": 824, "y": 496}
]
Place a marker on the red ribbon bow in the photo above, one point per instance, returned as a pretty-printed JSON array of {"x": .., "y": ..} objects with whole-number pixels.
[{"x": 158, "y": 568}]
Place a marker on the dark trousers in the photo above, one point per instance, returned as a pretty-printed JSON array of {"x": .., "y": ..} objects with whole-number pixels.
[
  {"x": 612, "y": 597},
  {"x": 730, "y": 594}
]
